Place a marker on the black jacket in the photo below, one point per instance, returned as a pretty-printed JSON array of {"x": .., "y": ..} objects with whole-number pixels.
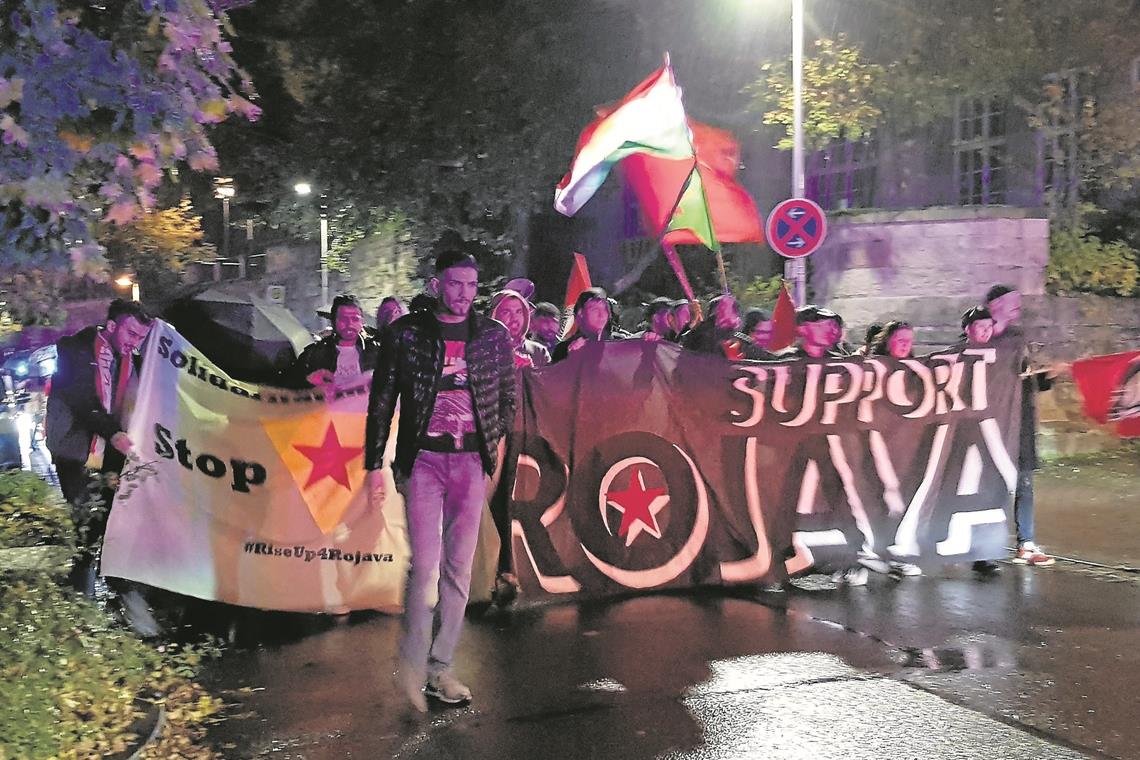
[
  {"x": 323, "y": 355},
  {"x": 409, "y": 370},
  {"x": 75, "y": 415}
]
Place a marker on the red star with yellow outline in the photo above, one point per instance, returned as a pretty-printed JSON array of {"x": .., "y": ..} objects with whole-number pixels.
[
  {"x": 330, "y": 459},
  {"x": 636, "y": 505}
]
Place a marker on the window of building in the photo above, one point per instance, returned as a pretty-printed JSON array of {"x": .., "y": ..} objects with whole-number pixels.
[
  {"x": 842, "y": 175},
  {"x": 980, "y": 150}
]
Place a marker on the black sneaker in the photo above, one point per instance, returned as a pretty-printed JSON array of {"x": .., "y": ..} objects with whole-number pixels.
[
  {"x": 507, "y": 589},
  {"x": 986, "y": 567}
]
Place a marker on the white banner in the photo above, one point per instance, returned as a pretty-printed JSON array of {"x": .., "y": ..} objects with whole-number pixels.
[{"x": 252, "y": 495}]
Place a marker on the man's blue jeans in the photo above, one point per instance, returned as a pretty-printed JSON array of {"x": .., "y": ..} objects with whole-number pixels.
[
  {"x": 443, "y": 500},
  {"x": 1023, "y": 506}
]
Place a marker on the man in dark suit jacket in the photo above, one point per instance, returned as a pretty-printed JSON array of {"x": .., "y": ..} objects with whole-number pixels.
[{"x": 85, "y": 422}]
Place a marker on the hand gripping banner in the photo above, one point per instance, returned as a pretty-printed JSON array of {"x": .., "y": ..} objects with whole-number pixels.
[{"x": 644, "y": 466}]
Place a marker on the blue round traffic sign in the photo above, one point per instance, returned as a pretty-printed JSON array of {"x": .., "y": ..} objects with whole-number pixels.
[{"x": 796, "y": 227}]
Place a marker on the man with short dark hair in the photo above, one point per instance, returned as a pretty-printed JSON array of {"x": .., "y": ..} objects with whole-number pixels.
[
  {"x": 546, "y": 324},
  {"x": 452, "y": 373},
  {"x": 86, "y": 427},
  {"x": 1004, "y": 305},
  {"x": 756, "y": 334},
  {"x": 346, "y": 353},
  {"x": 658, "y": 320}
]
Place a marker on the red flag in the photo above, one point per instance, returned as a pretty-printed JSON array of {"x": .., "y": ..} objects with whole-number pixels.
[
  {"x": 1110, "y": 390},
  {"x": 658, "y": 183},
  {"x": 783, "y": 321},
  {"x": 579, "y": 280}
]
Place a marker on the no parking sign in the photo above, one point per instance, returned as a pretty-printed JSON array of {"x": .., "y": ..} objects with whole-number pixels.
[{"x": 796, "y": 227}]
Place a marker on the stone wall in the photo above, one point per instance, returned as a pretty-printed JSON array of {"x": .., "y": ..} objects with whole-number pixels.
[
  {"x": 929, "y": 266},
  {"x": 926, "y": 266}
]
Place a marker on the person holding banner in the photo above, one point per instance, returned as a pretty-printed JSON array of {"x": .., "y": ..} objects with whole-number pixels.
[
  {"x": 818, "y": 331},
  {"x": 682, "y": 319},
  {"x": 658, "y": 320},
  {"x": 452, "y": 373},
  {"x": 546, "y": 324},
  {"x": 347, "y": 352},
  {"x": 717, "y": 334},
  {"x": 592, "y": 322},
  {"x": 1004, "y": 304},
  {"x": 86, "y": 434}
]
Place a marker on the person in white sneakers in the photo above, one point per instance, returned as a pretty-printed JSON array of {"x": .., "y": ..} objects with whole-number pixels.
[
  {"x": 1004, "y": 304},
  {"x": 452, "y": 373}
]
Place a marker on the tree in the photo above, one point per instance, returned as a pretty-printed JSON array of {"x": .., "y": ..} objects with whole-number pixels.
[
  {"x": 1057, "y": 62},
  {"x": 455, "y": 114},
  {"x": 156, "y": 247},
  {"x": 842, "y": 95},
  {"x": 98, "y": 103}
]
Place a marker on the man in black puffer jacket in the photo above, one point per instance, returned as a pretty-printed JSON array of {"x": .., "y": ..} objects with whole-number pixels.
[{"x": 452, "y": 372}]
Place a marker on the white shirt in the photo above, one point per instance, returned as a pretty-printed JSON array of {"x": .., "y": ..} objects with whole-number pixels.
[{"x": 347, "y": 362}]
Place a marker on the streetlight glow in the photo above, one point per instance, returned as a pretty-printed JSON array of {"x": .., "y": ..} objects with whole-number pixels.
[
  {"x": 126, "y": 281},
  {"x": 302, "y": 188}
]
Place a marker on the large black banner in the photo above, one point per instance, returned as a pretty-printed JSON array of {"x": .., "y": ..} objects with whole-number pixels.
[{"x": 642, "y": 466}]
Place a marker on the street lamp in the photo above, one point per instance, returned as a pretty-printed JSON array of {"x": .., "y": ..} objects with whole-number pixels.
[
  {"x": 224, "y": 189},
  {"x": 125, "y": 281},
  {"x": 304, "y": 189}
]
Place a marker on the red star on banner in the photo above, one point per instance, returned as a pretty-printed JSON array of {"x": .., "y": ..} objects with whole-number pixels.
[
  {"x": 635, "y": 504},
  {"x": 330, "y": 459}
]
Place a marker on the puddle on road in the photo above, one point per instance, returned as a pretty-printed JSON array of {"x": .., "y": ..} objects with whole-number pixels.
[{"x": 952, "y": 659}]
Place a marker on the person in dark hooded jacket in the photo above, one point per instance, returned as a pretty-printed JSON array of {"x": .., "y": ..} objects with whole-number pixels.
[{"x": 511, "y": 309}]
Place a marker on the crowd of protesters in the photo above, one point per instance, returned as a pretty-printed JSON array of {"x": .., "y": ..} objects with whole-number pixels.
[{"x": 455, "y": 373}]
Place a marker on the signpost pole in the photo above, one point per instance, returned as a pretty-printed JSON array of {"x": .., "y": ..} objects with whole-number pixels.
[{"x": 795, "y": 271}]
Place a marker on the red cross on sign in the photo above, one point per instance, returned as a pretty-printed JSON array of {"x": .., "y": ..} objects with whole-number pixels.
[{"x": 796, "y": 227}]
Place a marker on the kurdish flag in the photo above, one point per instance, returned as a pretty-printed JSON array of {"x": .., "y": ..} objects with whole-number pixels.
[
  {"x": 692, "y": 219},
  {"x": 709, "y": 192},
  {"x": 650, "y": 119}
]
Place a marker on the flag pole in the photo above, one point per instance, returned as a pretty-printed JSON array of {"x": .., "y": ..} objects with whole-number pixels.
[
  {"x": 667, "y": 248},
  {"x": 723, "y": 274}
]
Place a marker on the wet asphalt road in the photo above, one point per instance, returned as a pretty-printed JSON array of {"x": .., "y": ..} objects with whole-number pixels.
[{"x": 1031, "y": 663}]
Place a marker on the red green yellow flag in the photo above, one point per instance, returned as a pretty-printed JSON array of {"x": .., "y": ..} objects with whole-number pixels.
[
  {"x": 650, "y": 119},
  {"x": 692, "y": 213}
]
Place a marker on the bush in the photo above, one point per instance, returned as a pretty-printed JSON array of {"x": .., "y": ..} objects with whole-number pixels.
[
  {"x": 32, "y": 513},
  {"x": 759, "y": 291},
  {"x": 70, "y": 673},
  {"x": 1081, "y": 262}
]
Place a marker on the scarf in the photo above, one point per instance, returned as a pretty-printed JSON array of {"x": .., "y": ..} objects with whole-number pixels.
[{"x": 112, "y": 391}]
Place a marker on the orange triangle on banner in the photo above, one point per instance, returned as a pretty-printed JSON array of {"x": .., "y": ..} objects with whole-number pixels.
[{"x": 323, "y": 452}]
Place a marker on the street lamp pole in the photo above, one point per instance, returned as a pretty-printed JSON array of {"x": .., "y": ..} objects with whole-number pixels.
[
  {"x": 303, "y": 189},
  {"x": 795, "y": 270},
  {"x": 224, "y": 190},
  {"x": 225, "y": 236},
  {"x": 324, "y": 255}
]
